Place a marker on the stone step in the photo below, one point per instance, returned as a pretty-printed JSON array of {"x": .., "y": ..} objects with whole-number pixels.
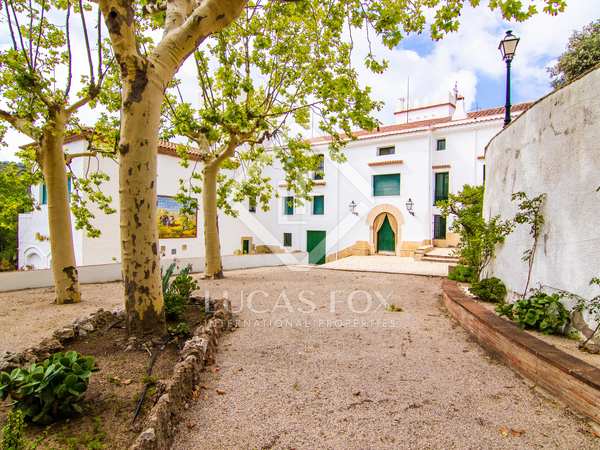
[{"x": 441, "y": 259}]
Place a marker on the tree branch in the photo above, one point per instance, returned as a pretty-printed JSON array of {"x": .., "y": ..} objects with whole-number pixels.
[{"x": 23, "y": 125}]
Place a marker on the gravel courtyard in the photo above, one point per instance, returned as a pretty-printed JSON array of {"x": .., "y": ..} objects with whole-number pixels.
[
  {"x": 289, "y": 378},
  {"x": 318, "y": 362}
]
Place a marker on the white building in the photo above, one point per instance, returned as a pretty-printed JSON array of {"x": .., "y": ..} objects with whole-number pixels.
[{"x": 381, "y": 200}]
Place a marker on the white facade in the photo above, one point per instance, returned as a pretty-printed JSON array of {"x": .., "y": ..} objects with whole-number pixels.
[{"x": 415, "y": 158}]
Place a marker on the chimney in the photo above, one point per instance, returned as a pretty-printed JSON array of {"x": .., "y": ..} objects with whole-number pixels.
[{"x": 459, "y": 112}]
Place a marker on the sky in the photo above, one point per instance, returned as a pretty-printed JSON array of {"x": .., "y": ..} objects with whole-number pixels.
[{"x": 426, "y": 71}]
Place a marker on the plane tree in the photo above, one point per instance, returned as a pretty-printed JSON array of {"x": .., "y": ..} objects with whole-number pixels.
[{"x": 44, "y": 84}]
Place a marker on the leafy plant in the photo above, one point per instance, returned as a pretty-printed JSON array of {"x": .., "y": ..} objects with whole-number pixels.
[
  {"x": 581, "y": 55},
  {"x": 177, "y": 292},
  {"x": 393, "y": 308},
  {"x": 541, "y": 311},
  {"x": 51, "y": 390},
  {"x": 12, "y": 432},
  {"x": 592, "y": 306},
  {"x": 530, "y": 212},
  {"x": 478, "y": 237},
  {"x": 461, "y": 273},
  {"x": 489, "y": 290},
  {"x": 182, "y": 329}
]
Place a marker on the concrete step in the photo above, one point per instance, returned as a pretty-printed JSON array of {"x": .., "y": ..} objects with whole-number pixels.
[{"x": 441, "y": 259}]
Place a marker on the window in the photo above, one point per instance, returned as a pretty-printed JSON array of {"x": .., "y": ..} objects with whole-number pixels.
[
  {"x": 44, "y": 191},
  {"x": 288, "y": 205},
  {"x": 386, "y": 184},
  {"x": 440, "y": 144},
  {"x": 252, "y": 204},
  {"x": 383, "y": 151},
  {"x": 320, "y": 172},
  {"x": 287, "y": 239},
  {"x": 439, "y": 227},
  {"x": 44, "y": 195},
  {"x": 319, "y": 205},
  {"x": 484, "y": 174},
  {"x": 441, "y": 186}
]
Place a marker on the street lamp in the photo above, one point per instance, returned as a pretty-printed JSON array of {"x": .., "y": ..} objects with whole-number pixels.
[{"x": 508, "y": 47}]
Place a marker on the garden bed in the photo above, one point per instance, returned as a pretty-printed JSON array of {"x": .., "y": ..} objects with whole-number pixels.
[
  {"x": 569, "y": 378},
  {"x": 563, "y": 343},
  {"x": 113, "y": 393}
]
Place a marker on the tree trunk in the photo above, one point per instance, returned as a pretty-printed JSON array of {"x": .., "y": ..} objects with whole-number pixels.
[
  {"x": 64, "y": 268},
  {"x": 213, "y": 266},
  {"x": 140, "y": 120}
]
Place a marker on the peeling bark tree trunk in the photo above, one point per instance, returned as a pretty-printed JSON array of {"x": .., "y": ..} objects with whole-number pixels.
[
  {"x": 213, "y": 266},
  {"x": 64, "y": 269},
  {"x": 144, "y": 80},
  {"x": 142, "y": 98}
]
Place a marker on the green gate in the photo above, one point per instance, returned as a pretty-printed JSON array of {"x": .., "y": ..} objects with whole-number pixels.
[
  {"x": 315, "y": 246},
  {"x": 386, "y": 241}
]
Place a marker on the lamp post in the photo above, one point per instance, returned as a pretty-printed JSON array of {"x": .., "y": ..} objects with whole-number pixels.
[{"x": 507, "y": 48}]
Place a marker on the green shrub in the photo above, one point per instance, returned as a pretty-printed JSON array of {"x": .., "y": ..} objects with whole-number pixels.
[
  {"x": 461, "y": 273},
  {"x": 12, "y": 432},
  {"x": 489, "y": 290},
  {"x": 540, "y": 312},
  {"x": 182, "y": 329},
  {"x": 177, "y": 292},
  {"x": 51, "y": 390}
]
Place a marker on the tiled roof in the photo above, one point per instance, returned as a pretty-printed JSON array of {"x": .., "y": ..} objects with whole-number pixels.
[
  {"x": 520, "y": 107},
  {"x": 170, "y": 148},
  {"x": 440, "y": 122}
]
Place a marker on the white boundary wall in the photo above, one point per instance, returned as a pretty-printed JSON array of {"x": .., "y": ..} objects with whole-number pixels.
[
  {"x": 553, "y": 148},
  {"x": 103, "y": 273}
]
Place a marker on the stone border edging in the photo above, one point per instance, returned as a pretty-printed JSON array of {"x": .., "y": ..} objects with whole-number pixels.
[
  {"x": 571, "y": 380},
  {"x": 162, "y": 423},
  {"x": 46, "y": 347}
]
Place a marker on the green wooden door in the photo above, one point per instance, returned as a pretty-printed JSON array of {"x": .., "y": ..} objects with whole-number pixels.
[
  {"x": 246, "y": 246},
  {"x": 315, "y": 246},
  {"x": 386, "y": 241}
]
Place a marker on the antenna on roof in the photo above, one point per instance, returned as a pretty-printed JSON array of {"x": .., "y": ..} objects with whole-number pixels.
[
  {"x": 407, "y": 97},
  {"x": 455, "y": 90}
]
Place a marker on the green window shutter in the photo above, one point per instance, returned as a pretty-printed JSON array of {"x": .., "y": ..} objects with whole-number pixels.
[
  {"x": 386, "y": 184},
  {"x": 287, "y": 239},
  {"x": 288, "y": 206},
  {"x": 441, "y": 186},
  {"x": 439, "y": 227},
  {"x": 319, "y": 205},
  {"x": 44, "y": 194}
]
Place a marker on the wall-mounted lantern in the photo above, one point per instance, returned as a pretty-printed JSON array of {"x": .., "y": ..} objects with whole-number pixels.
[
  {"x": 352, "y": 207},
  {"x": 410, "y": 207}
]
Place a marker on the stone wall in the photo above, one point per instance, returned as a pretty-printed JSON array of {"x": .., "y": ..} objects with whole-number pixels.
[{"x": 553, "y": 148}]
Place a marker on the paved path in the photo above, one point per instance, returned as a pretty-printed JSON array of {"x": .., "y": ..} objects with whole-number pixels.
[
  {"x": 389, "y": 264},
  {"x": 408, "y": 380}
]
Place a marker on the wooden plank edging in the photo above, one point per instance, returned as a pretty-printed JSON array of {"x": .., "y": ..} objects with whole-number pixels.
[{"x": 572, "y": 380}]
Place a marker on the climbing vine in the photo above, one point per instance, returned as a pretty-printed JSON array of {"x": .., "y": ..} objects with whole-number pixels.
[{"x": 530, "y": 212}]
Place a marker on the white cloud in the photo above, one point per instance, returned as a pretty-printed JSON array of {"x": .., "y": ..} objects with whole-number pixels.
[{"x": 472, "y": 52}]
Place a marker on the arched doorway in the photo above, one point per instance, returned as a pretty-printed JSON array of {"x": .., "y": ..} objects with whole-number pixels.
[
  {"x": 384, "y": 228},
  {"x": 385, "y": 223}
]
